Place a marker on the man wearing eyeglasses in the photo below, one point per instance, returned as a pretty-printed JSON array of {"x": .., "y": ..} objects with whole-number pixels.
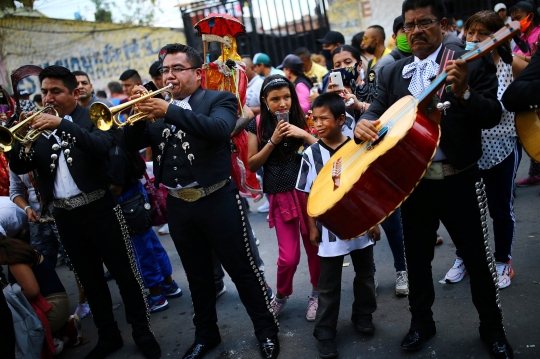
[
  {"x": 373, "y": 44},
  {"x": 192, "y": 158},
  {"x": 452, "y": 190}
]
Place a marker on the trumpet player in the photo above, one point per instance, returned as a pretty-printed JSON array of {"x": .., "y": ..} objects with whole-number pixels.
[{"x": 72, "y": 166}]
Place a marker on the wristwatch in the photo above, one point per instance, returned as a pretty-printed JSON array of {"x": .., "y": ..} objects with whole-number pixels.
[{"x": 466, "y": 95}]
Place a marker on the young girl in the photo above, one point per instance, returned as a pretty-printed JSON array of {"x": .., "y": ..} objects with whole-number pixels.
[
  {"x": 275, "y": 146},
  {"x": 37, "y": 276}
]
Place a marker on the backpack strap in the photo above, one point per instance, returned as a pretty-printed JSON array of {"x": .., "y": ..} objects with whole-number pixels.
[{"x": 446, "y": 56}]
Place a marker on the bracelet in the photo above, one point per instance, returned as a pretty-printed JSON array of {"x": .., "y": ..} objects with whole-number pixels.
[
  {"x": 271, "y": 142},
  {"x": 25, "y": 208}
]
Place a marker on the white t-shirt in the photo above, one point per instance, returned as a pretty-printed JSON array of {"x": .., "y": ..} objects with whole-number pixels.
[
  {"x": 313, "y": 161},
  {"x": 12, "y": 218}
]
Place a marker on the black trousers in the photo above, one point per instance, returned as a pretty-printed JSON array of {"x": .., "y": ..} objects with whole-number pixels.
[
  {"x": 7, "y": 335},
  {"x": 217, "y": 222},
  {"x": 94, "y": 234},
  {"x": 364, "y": 304},
  {"x": 457, "y": 201}
]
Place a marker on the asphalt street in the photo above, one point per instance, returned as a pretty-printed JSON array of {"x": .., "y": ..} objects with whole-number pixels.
[{"x": 456, "y": 318}]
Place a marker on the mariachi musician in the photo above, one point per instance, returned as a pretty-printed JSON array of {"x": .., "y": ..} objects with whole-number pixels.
[
  {"x": 454, "y": 194},
  {"x": 72, "y": 165}
]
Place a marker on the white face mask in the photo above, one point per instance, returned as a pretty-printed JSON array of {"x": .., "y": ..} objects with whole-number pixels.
[{"x": 470, "y": 45}]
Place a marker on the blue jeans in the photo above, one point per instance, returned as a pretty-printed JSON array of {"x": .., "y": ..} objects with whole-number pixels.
[
  {"x": 394, "y": 232},
  {"x": 43, "y": 236}
]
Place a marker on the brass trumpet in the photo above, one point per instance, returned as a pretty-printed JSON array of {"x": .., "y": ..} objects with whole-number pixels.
[
  {"x": 104, "y": 117},
  {"x": 20, "y": 131}
]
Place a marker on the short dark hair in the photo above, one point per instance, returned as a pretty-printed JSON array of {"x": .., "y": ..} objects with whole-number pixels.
[
  {"x": 380, "y": 31},
  {"x": 130, "y": 74},
  {"x": 101, "y": 94},
  {"x": 529, "y": 8},
  {"x": 81, "y": 73},
  {"x": 348, "y": 48},
  {"x": 331, "y": 101},
  {"x": 38, "y": 98},
  {"x": 303, "y": 53},
  {"x": 61, "y": 73},
  {"x": 437, "y": 7},
  {"x": 115, "y": 87},
  {"x": 193, "y": 57},
  {"x": 154, "y": 69}
]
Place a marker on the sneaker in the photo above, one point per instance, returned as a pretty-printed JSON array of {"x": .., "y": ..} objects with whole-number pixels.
[
  {"x": 528, "y": 181},
  {"x": 220, "y": 292},
  {"x": 439, "y": 240},
  {"x": 277, "y": 307},
  {"x": 457, "y": 272},
  {"x": 83, "y": 309},
  {"x": 171, "y": 291},
  {"x": 58, "y": 346},
  {"x": 157, "y": 305},
  {"x": 74, "y": 332},
  {"x": 264, "y": 208},
  {"x": 269, "y": 292},
  {"x": 311, "y": 311},
  {"x": 402, "y": 284},
  {"x": 505, "y": 273},
  {"x": 164, "y": 229},
  {"x": 327, "y": 348}
]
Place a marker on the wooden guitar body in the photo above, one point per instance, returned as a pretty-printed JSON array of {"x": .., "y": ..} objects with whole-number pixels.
[
  {"x": 375, "y": 177},
  {"x": 528, "y": 131}
]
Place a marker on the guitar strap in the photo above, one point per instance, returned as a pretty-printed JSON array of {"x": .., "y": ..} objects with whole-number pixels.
[{"x": 446, "y": 56}]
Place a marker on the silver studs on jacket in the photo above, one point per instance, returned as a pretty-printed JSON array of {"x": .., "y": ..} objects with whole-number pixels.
[
  {"x": 250, "y": 257},
  {"x": 482, "y": 204},
  {"x": 132, "y": 262}
]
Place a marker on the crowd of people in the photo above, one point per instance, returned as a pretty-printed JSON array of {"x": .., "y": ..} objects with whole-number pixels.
[{"x": 88, "y": 195}]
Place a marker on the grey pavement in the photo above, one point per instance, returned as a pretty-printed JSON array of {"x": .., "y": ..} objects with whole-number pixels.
[{"x": 456, "y": 318}]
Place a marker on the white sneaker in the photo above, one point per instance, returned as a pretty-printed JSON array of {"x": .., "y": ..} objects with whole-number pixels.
[
  {"x": 311, "y": 311},
  {"x": 402, "y": 284},
  {"x": 164, "y": 230},
  {"x": 277, "y": 307},
  {"x": 264, "y": 208},
  {"x": 457, "y": 272},
  {"x": 58, "y": 346},
  {"x": 505, "y": 273}
]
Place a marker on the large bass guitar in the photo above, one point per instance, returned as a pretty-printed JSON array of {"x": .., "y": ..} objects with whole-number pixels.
[{"x": 364, "y": 183}]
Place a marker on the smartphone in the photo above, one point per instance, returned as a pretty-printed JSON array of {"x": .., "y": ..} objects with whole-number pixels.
[
  {"x": 335, "y": 78},
  {"x": 151, "y": 87}
]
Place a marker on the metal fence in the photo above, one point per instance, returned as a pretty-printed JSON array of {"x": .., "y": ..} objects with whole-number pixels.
[{"x": 274, "y": 27}]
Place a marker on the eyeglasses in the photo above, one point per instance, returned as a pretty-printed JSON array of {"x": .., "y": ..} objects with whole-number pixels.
[
  {"x": 175, "y": 70},
  {"x": 366, "y": 38},
  {"x": 422, "y": 25}
]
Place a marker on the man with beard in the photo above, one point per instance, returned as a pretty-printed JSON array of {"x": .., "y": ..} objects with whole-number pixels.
[
  {"x": 86, "y": 90},
  {"x": 455, "y": 195},
  {"x": 373, "y": 44}
]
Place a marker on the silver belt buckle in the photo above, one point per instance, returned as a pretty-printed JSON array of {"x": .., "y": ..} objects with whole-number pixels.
[{"x": 434, "y": 171}]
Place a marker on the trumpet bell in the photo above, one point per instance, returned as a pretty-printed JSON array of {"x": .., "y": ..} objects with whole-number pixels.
[
  {"x": 6, "y": 138},
  {"x": 101, "y": 116}
]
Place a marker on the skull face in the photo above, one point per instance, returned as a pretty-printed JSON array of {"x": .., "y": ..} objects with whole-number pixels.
[{"x": 371, "y": 76}]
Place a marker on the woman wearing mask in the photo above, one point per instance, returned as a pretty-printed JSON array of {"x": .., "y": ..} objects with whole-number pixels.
[
  {"x": 276, "y": 145},
  {"x": 294, "y": 70},
  {"x": 501, "y": 155}
]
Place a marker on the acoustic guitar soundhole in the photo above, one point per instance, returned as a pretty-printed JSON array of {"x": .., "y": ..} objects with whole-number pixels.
[{"x": 382, "y": 134}]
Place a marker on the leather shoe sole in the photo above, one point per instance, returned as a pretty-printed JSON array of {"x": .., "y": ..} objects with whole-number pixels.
[{"x": 414, "y": 340}]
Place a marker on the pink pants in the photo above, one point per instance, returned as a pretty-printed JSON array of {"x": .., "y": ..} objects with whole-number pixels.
[{"x": 288, "y": 236}]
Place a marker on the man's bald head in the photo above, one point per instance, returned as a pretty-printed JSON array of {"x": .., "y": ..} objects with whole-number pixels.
[{"x": 250, "y": 69}]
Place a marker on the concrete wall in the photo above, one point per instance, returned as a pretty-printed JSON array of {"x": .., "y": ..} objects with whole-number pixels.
[{"x": 102, "y": 50}]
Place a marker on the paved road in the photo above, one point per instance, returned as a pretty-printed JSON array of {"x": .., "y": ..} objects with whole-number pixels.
[{"x": 456, "y": 317}]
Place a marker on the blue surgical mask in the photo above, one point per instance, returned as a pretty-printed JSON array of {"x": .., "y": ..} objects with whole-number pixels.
[{"x": 470, "y": 45}]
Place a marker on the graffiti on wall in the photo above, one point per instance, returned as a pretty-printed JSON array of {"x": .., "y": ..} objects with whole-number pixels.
[{"x": 103, "y": 51}]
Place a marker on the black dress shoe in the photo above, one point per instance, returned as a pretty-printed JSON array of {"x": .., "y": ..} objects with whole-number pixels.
[
  {"x": 105, "y": 347},
  {"x": 327, "y": 349},
  {"x": 414, "y": 340},
  {"x": 197, "y": 351},
  {"x": 364, "y": 325},
  {"x": 149, "y": 347},
  {"x": 269, "y": 347},
  {"x": 500, "y": 350}
]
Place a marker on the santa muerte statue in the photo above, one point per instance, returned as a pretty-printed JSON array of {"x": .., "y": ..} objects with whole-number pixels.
[{"x": 228, "y": 73}]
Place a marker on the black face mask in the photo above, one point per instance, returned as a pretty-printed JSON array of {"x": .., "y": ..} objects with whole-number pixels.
[
  {"x": 328, "y": 56},
  {"x": 370, "y": 49}
]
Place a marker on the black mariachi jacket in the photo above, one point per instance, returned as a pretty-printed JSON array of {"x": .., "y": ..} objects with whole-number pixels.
[
  {"x": 205, "y": 132},
  {"x": 524, "y": 93},
  {"x": 88, "y": 149},
  {"x": 461, "y": 127}
]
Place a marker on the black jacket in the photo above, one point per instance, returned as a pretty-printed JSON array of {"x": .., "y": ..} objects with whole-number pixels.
[
  {"x": 207, "y": 131},
  {"x": 524, "y": 93},
  {"x": 461, "y": 127},
  {"x": 89, "y": 152}
]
